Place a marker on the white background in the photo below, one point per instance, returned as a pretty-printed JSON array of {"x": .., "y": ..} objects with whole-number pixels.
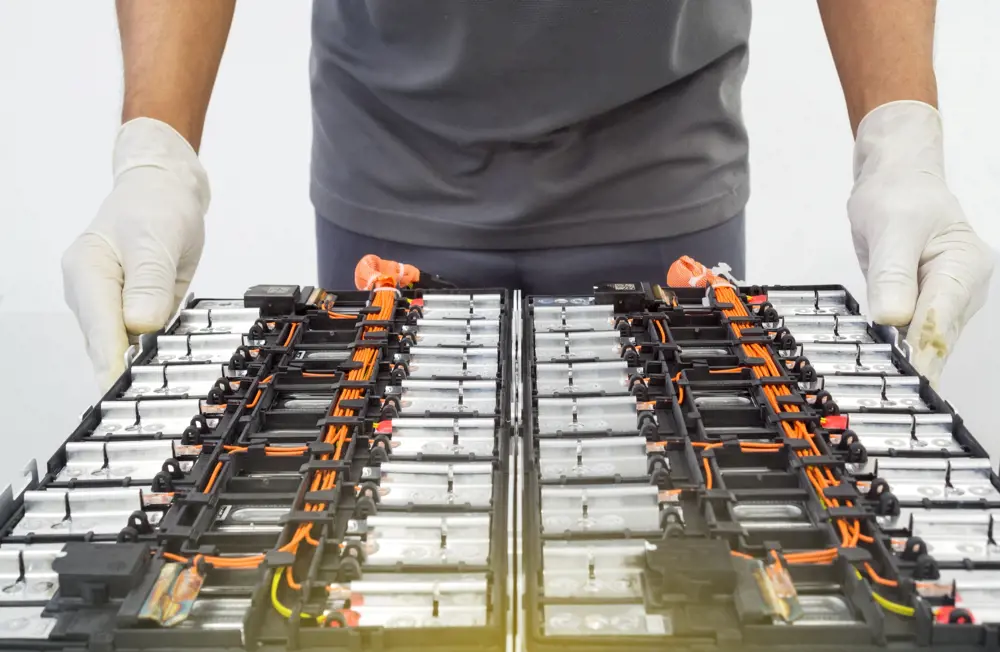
[{"x": 60, "y": 90}]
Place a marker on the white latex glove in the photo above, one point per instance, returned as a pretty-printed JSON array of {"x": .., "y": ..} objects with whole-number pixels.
[
  {"x": 129, "y": 270},
  {"x": 924, "y": 264}
]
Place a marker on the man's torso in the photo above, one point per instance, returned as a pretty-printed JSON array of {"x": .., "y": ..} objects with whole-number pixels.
[{"x": 527, "y": 124}]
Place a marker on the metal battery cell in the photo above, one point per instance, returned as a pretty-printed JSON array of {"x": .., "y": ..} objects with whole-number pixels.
[
  {"x": 960, "y": 480},
  {"x": 603, "y": 620},
  {"x": 130, "y": 418},
  {"x": 405, "y": 484},
  {"x": 423, "y": 539},
  {"x": 592, "y": 458},
  {"x": 117, "y": 460},
  {"x": 573, "y": 318},
  {"x": 951, "y": 549},
  {"x": 833, "y": 359},
  {"x": 430, "y": 362},
  {"x": 571, "y": 378},
  {"x": 809, "y": 302},
  {"x": 600, "y": 508},
  {"x": 248, "y": 519},
  {"x": 593, "y": 569},
  {"x": 215, "y": 347},
  {"x": 924, "y": 521},
  {"x": 417, "y": 396},
  {"x": 180, "y": 380},
  {"x": 584, "y": 345},
  {"x": 829, "y": 328},
  {"x": 80, "y": 511},
  {"x": 403, "y": 600},
  {"x": 26, "y": 575},
  {"x": 881, "y": 433},
  {"x": 857, "y": 393},
  {"x": 455, "y": 332},
  {"x": 214, "y": 320},
  {"x": 568, "y": 416},
  {"x": 771, "y": 515},
  {"x": 25, "y": 623},
  {"x": 479, "y": 306},
  {"x": 417, "y": 437}
]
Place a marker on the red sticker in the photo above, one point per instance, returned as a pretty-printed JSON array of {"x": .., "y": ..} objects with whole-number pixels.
[
  {"x": 838, "y": 422},
  {"x": 417, "y": 302},
  {"x": 384, "y": 427},
  {"x": 756, "y": 299}
]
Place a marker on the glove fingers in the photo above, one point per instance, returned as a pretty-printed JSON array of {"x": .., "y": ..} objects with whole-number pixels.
[
  {"x": 892, "y": 284},
  {"x": 148, "y": 299},
  {"x": 92, "y": 282}
]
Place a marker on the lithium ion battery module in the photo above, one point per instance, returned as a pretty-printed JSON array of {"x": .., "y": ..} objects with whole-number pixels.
[{"x": 408, "y": 465}]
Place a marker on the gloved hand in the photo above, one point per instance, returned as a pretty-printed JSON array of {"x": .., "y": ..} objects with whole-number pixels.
[
  {"x": 924, "y": 264},
  {"x": 129, "y": 270}
]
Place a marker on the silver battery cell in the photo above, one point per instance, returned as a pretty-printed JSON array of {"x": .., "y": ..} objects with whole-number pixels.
[
  {"x": 856, "y": 393},
  {"x": 960, "y": 549},
  {"x": 412, "y": 590},
  {"x": 214, "y": 320},
  {"x": 478, "y": 300},
  {"x": 250, "y": 518},
  {"x": 460, "y": 396},
  {"x": 592, "y": 458},
  {"x": 818, "y": 302},
  {"x": 37, "y": 582},
  {"x": 568, "y": 416},
  {"x": 416, "y": 437},
  {"x": 928, "y": 521},
  {"x": 569, "y": 378},
  {"x": 219, "y": 303},
  {"x": 829, "y": 328},
  {"x": 466, "y": 307},
  {"x": 600, "y": 508},
  {"x": 820, "y": 610},
  {"x": 80, "y": 511},
  {"x": 136, "y": 418},
  {"x": 573, "y": 318},
  {"x": 117, "y": 460},
  {"x": 215, "y": 347},
  {"x": 881, "y": 433},
  {"x": 424, "y": 539},
  {"x": 421, "y": 617},
  {"x": 428, "y": 362},
  {"x": 960, "y": 480},
  {"x": 181, "y": 380},
  {"x": 834, "y": 359},
  {"x": 771, "y": 516},
  {"x": 593, "y": 569},
  {"x": 26, "y": 623},
  {"x": 216, "y": 614},
  {"x": 455, "y": 332},
  {"x": 604, "y": 620},
  {"x": 585, "y": 345},
  {"x": 403, "y": 484}
]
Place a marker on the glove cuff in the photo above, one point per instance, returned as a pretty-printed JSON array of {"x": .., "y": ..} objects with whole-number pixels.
[
  {"x": 146, "y": 142},
  {"x": 899, "y": 136}
]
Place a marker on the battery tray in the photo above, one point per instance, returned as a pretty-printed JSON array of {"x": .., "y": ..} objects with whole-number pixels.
[{"x": 725, "y": 468}]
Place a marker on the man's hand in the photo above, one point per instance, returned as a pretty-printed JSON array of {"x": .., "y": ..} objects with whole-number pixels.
[
  {"x": 925, "y": 266},
  {"x": 127, "y": 272}
]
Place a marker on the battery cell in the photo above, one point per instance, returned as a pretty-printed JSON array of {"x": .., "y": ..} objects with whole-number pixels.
[
  {"x": 455, "y": 332},
  {"x": 80, "y": 511},
  {"x": 829, "y": 328},
  {"x": 117, "y": 460},
  {"x": 857, "y": 393},
  {"x": 604, "y": 620},
  {"x": 834, "y": 359},
  {"x": 818, "y": 302},
  {"x": 417, "y": 437},
  {"x": 883, "y": 433},
  {"x": 580, "y": 346},
  {"x": 214, "y": 320},
  {"x": 561, "y": 379},
  {"x": 36, "y": 582},
  {"x": 593, "y": 569},
  {"x": 131, "y": 418},
  {"x": 406, "y": 484},
  {"x": 216, "y": 347},
  {"x": 423, "y": 539},
  {"x": 432, "y": 362},
  {"x": 600, "y": 508},
  {"x": 573, "y": 318},
  {"x": 592, "y": 458},
  {"x": 181, "y": 380},
  {"x": 445, "y": 396},
  {"x": 607, "y": 414}
]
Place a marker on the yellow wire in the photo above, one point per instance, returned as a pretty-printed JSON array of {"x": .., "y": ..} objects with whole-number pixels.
[
  {"x": 893, "y": 607},
  {"x": 284, "y": 611}
]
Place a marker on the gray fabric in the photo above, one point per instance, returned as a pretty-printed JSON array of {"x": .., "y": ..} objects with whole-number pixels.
[
  {"x": 520, "y": 124},
  {"x": 536, "y": 271}
]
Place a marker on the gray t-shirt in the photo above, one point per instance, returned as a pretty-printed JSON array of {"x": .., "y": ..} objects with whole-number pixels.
[{"x": 524, "y": 124}]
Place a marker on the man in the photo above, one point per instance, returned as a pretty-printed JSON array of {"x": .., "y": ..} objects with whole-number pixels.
[{"x": 541, "y": 144}]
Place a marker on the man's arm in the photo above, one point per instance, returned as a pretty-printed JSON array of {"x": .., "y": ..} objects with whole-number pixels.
[
  {"x": 171, "y": 51},
  {"x": 926, "y": 268},
  {"x": 883, "y": 50}
]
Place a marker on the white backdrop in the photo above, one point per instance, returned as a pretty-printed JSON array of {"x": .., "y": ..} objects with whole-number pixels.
[{"x": 60, "y": 90}]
